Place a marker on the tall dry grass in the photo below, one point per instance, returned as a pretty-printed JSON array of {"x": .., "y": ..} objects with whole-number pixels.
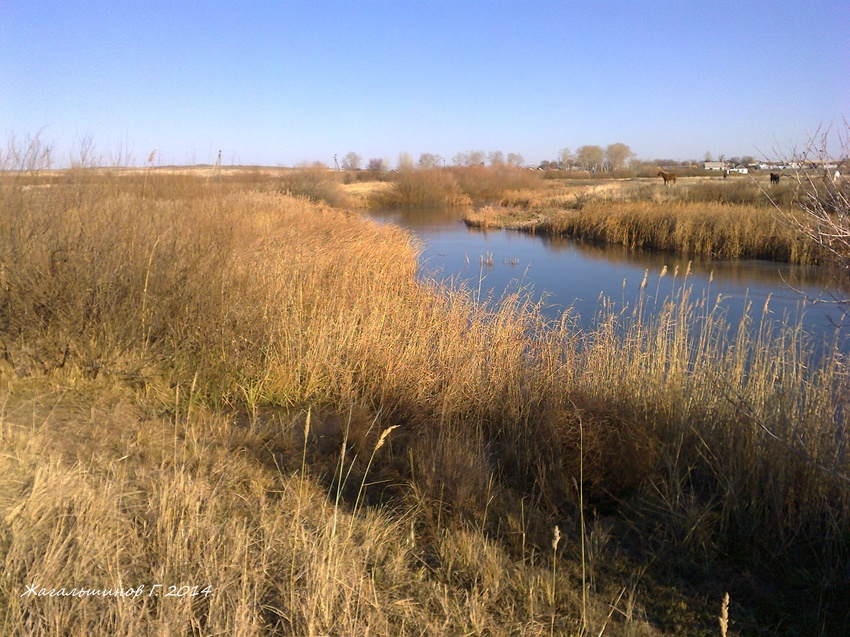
[
  {"x": 317, "y": 183},
  {"x": 163, "y": 339},
  {"x": 740, "y": 190},
  {"x": 725, "y": 231},
  {"x": 435, "y": 187},
  {"x": 715, "y": 218},
  {"x": 490, "y": 183},
  {"x": 194, "y": 501},
  {"x": 430, "y": 188}
]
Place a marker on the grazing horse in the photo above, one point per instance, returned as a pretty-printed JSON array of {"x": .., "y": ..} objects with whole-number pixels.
[
  {"x": 774, "y": 178},
  {"x": 667, "y": 177}
]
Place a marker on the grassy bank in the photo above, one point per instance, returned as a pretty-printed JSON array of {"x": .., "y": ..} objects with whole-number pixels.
[
  {"x": 213, "y": 383},
  {"x": 715, "y": 218}
]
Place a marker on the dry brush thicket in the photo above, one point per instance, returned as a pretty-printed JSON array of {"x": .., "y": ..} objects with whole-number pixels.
[
  {"x": 199, "y": 383},
  {"x": 458, "y": 186}
]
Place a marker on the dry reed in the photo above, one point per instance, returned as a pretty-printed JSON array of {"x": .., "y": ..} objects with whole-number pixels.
[{"x": 161, "y": 336}]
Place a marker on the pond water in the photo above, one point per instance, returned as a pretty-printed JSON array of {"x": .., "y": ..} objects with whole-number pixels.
[{"x": 567, "y": 274}]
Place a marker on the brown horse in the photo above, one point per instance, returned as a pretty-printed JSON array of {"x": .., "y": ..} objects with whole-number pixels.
[
  {"x": 667, "y": 177},
  {"x": 774, "y": 178}
]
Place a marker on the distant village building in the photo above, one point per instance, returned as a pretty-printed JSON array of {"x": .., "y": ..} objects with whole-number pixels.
[
  {"x": 726, "y": 167},
  {"x": 808, "y": 164}
]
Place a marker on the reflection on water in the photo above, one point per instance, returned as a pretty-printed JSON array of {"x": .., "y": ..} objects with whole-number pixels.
[
  {"x": 732, "y": 271},
  {"x": 420, "y": 219},
  {"x": 568, "y": 274}
]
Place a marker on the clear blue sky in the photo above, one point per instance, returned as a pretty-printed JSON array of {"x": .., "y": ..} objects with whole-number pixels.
[{"x": 278, "y": 83}]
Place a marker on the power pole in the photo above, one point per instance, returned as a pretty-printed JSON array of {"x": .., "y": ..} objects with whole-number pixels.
[{"x": 217, "y": 167}]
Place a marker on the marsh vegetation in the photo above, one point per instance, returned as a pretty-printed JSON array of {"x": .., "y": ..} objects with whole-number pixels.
[
  {"x": 734, "y": 218},
  {"x": 229, "y": 383}
]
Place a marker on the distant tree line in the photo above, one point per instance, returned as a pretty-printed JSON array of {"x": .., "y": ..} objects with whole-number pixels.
[
  {"x": 591, "y": 158},
  {"x": 353, "y": 161}
]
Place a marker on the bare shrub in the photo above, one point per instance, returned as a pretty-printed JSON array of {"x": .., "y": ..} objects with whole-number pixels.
[
  {"x": 426, "y": 188},
  {"x": 821, "y": 212},
  {"x": 314, "y": 182},
  {"x": 457, "y": 186},
  {"x": 491, "y": 183}
]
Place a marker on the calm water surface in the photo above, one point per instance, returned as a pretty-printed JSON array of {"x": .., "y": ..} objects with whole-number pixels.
[{"x": 571, "y": 275}]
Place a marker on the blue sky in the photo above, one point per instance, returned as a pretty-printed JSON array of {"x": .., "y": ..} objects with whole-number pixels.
[{"x": 278, "y": 83}]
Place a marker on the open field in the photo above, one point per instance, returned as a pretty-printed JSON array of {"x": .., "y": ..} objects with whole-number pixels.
[{"x": 224, "y": 383}]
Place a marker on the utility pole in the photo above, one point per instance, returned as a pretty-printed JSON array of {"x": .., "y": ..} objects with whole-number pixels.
[{"x": 217, "y": 167}]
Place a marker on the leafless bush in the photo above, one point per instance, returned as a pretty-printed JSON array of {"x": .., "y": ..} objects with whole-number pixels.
[
  {"x": 422, "y": 189},
  {"x": 317, "y": 183},
  {"x": 824, "y": 199},
  {"x": 31, "y": 154}
]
